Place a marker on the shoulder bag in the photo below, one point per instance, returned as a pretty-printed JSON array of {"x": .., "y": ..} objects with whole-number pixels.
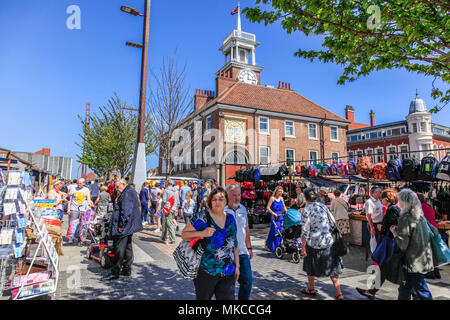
[
  {"x": 438, "y": 246},
  {"x": 339, "y": 246},
  {"x": 188, "y": 255}
]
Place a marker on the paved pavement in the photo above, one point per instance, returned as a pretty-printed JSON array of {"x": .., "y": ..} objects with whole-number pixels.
[{"x": 155, "y": 275}]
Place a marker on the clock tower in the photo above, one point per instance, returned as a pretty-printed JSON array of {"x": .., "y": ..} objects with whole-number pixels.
[{"x": 239, "y": 59}]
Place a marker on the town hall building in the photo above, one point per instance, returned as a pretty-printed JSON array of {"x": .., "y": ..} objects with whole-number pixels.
[{"x": 258, "y": 125}]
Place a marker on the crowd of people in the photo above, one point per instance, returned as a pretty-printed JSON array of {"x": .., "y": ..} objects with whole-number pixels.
[{"x": 217, "y": 215}]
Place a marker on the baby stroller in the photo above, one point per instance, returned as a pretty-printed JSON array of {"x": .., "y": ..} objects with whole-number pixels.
[
  {"x": 290, "y": 236},
  {"x": 101, "y": 248},
  {"x": 86, "y": 223}
]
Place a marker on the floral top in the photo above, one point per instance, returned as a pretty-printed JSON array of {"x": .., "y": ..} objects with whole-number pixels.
[
  {"x": 316, "y": 225},
  {"x": 218, "y": 257}
]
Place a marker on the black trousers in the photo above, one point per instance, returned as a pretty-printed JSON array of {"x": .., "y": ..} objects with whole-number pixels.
[
  {"x": 206, "y": 285},
  {"x": 123, "y": 254}
]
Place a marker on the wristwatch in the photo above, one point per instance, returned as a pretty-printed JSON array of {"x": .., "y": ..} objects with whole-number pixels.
[{"x": 250, "y": 248}]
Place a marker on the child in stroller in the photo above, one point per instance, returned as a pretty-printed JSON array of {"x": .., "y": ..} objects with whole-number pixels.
[
  {"x": 101, "y": 246},
  {"x": 290, "y": 236}
]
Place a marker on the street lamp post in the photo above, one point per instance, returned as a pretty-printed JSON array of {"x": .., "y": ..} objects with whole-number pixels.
[{"x": 139, "y": 174}]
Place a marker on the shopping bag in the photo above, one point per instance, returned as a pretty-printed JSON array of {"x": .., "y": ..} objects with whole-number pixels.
[
  {"x": 384, "y": 250},
  {"x": 373, "y": 243},
  {"x": 168, "y": 205},
  {"x": 440, "y": 249},
  {"x": 188, "y": 259},
  {"x": 395, "y": 267}
]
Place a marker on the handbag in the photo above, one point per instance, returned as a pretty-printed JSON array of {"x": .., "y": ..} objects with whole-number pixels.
[
  {"x": 383, "y": 250},
  {"x": 188, "y": 255},
  {"x": 440, "y": 249},
  {"x": 395, "y": 267},
  {"x": 339, "y": 246}
]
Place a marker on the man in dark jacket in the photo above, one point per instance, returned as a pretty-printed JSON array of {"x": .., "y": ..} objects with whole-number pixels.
[{"x": 125, "y": 220}]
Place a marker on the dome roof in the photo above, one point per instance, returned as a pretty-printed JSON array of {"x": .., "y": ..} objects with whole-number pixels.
[{"x": 417, "y": 105}]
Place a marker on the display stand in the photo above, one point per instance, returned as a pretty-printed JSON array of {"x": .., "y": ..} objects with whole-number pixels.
[{"x": 29, "y": 265}]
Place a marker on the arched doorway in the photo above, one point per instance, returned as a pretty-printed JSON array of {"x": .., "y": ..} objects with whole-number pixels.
[{"x": 236, "y": 157}]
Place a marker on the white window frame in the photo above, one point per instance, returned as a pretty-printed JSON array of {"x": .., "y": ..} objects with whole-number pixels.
[
  {"x": 351, "y": 155},
  {"x": 338, "y": 155},
  {"x": 414, "y": 126},
  {"x": 285, "y": 153},
  {"x": 207, "y": 155},
  {"x": 402, "y": 155},
  {"x": 293, "y": 129},
  {"x": 371, "y": 154},
  {"x": 188, "y": 160},
  {"x": 357, "y": 156},
  {"x": 337, "y": 133},
  {"x": 259, "y": 125},
  {"x": 379, "y": 154},
  {"x": 309, "y": 132},
  {"x": 317, "y": 156},
  {"x": 208, "y": 124},
  {"x": 389, "y": 155},
  {"x": 268, "y": 154},
  {"x": 197, "y": 158}
]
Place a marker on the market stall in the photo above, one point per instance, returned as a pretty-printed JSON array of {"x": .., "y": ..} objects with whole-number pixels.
[{"x": 28, "y": 257}]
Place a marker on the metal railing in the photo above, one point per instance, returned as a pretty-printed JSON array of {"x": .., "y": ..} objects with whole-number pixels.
[{"x": 240, "y": 34}]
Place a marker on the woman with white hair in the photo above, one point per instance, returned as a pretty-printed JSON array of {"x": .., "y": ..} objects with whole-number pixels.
[{"x": 411, "y": 237}]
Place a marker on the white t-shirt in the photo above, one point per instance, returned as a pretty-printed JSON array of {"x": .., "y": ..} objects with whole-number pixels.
[
  {"x": 374, "y": 208},
  {"x": 79, "y": 199},
  {"x": 241, "y": 217}
]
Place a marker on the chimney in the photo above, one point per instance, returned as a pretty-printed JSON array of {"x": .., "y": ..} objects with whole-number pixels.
[
  {"x": 350, "y": 114},
  {"x": 202, "y": 97},
  {"x": 224, "y": 80},
  {"x": 372, "y": 118},
  {"x": 284, "y": 85}
]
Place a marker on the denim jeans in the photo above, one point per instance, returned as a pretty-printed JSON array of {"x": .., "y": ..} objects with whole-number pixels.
[
  {"x": 416, "y": 282},
  {"x": 60, "y": 214},
  {"x": 144, "y": 210},
  {"x": 245, "y": 277}
]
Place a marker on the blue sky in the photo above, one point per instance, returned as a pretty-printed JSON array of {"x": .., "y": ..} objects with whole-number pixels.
[{"x": 48, "y": 72}]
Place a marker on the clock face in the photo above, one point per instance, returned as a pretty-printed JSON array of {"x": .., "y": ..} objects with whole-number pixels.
[{"x": 247, "y": 76}]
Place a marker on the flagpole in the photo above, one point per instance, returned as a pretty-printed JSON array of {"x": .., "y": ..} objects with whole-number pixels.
[{"x": 239, "y": 17}]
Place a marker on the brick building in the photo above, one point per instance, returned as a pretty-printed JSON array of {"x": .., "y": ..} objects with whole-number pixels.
[
  {"x": 386, "y": 141},
  {"x": 252, "y": 124}
]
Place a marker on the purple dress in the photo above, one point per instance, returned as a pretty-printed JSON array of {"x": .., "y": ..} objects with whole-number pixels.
[{"x": 272, "y": 241}]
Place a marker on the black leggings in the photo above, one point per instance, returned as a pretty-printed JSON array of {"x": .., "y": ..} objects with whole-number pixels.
[{"x": 206, "y": 285}]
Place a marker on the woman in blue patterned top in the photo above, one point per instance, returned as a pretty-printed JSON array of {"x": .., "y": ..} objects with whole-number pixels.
[
  {"x": 320, "y": 260},
  {"x": 219, "y": 267}
]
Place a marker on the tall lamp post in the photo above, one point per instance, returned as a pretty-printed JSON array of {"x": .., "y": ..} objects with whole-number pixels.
[{"x": 139, "y": 174}]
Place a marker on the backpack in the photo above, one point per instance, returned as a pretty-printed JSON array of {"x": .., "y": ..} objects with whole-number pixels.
[
  {"x": 239, "y": 175},
  {"x": 342, "y": 168},
  {"x": 319, "y": 168},
  {"x": 312, "y": 171},
  {"x": 247, "y": 186},
  {"x": 364, "y": 166},
  {"x": 305, "y": 171},
  {"x": 428, "y": 168},
  {"x": 351, "y": 166},
  {"x": 410, "y": 168},
  {"x": 394, "y": 169},
  {"x": 443, "y": 172},
  {"x": 249, "y": 195},
  {"x": 379, "y": 171},
  {"x": 257, "y": 174},
  {"x": 334, "y": 169},
  {"x": 326, "y": 169}
]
